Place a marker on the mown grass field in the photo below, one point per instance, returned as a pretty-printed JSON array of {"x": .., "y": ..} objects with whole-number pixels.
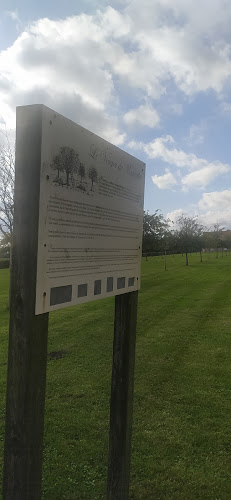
[{"x": 182, "y": 403}]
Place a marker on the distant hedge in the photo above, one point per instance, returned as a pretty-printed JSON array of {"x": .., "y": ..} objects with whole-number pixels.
[{"x": 4, "y": 263}]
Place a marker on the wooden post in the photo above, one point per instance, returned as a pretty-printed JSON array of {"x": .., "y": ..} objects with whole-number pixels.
[
  {"x": 165, "y": 260},
  {"x": 28, "y": 333},
  {"x": 122, "y": 396}
]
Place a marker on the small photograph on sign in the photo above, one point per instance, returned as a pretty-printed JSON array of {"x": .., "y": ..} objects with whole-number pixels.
[
  {"x": 60, "y": 295},
  {"x": 120, "y": 283},
  {"x": 82, "y": 290},
  {"x": 110, "y": 284},
  {"x": 97, "y": 287}
]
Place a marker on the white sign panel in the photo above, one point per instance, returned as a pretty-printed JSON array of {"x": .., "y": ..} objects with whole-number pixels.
[{"x": 90, "y": 217}]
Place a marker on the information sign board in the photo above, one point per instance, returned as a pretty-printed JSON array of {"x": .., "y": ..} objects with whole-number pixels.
[{"x": 90, "y": 216}]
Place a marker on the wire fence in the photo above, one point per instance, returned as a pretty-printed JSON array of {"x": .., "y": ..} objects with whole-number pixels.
[
  {"x": 168, "y": 257},
  {"x": 220, "y": 252}
]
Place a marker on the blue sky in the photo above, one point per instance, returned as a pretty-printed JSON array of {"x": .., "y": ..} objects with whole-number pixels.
[{"x": 151, "y": 76}]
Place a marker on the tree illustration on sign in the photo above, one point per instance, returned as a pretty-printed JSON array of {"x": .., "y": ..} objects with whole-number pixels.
[
  {"x": 70, "y": 161},
  {"x": 67, "y": 160},
  {"x": 57, "y": 165},
  {"x": 82, "y": 172},
  {"x": 93, "y": 175}
]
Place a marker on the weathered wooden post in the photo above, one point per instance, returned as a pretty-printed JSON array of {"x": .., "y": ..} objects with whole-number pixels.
[
  {"x": 122, "y": 396},
  {"x": 28, "y": 333}
]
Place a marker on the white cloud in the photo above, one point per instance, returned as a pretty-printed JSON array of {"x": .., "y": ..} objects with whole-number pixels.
[
  {"x": 144, "y": 116},
  {"x": 185, "y": 42},
  {"x": 113, "y": 135},
  {"x": 177, "y": 108},
  {"x": 203, "y": 171},
  {"x": 150, "y": 12},
  {"x": 80, "y": 65},
  {"x": 166, "y": 181},
  {"x": 13, "y": 14},
  {"x": 216, "y": 200},
  {"x": 141, "y": 47},
  {"x": 136, "y": 145},
  {"x": 196, "y": 133},
  {"x": 174, "y": 216},
  {"x": 215, "y": 207},
  {"x": 226, "y": 107},
  {"x": 177, "y": 157},
  {"x": 62, "y": 64},
  {"x": 202, "y": 177},
  {"x": 212, "y": 208}
]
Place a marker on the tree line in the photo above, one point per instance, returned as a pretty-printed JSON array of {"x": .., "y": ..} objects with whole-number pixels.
[{"x": 188, "y": 235}]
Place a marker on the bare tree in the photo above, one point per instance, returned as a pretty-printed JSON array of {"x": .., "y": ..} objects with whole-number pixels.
[
  {"x": 217, "y": 233},
  {"x": 189, "y": 235},
  {"x": 155, "y": 231},
  {"x": 7, "y": 179}
]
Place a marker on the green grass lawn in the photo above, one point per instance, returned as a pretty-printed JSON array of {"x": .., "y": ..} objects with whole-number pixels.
[{"x": 182, "y": 403}]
